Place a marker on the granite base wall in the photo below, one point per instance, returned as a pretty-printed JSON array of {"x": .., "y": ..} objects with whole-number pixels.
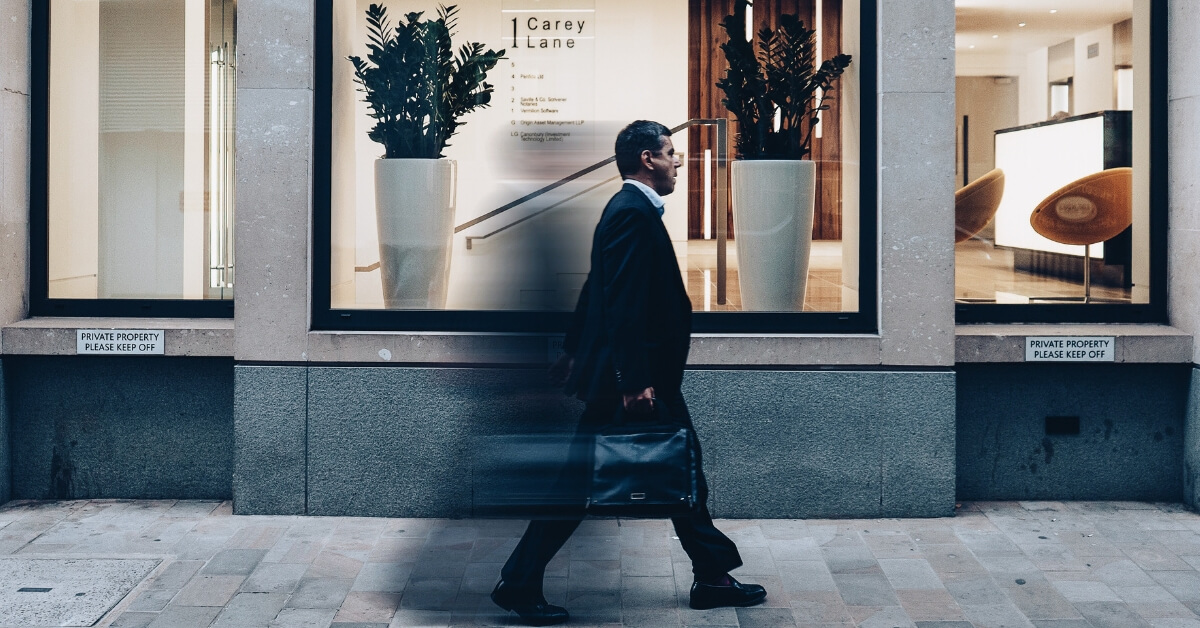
[
  {"x": 86, "y": 427},
  {"x": 1130, "y": 444},
  {"x": 1191, "y": 443},
  {"x": 5, "y": 448},
  {"x": 396, "y": 441}
]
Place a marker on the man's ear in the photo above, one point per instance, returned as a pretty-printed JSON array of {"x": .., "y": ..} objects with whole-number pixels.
[{"x": 647, "y": 158}]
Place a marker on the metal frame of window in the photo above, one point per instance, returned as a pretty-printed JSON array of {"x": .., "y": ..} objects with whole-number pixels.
[
  {"x": 40, "y": 302},
  {"x": 324, "y": 316},
  {"x": 1156, "y": 310}
]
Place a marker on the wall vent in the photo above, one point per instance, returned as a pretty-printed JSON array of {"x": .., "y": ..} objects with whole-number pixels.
[{"x": 1062, "y": 426}]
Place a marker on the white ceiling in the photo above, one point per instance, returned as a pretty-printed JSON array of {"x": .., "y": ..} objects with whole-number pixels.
[{"x": 977, "y": 21}]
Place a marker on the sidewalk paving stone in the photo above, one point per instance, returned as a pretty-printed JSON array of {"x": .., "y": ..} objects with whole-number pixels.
[
  {"x": 910, "y": 573},
  {"x": 205, "y": 590},
  {"x": 250, "y": 609},
  {"x": 1011, "y": 564},
  {"x": 274, "y": 578}
]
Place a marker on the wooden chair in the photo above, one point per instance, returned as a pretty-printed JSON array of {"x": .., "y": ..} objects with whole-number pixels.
[
  {"x": 976, "y": 203},
  {"x": 1088, "y": 210}
]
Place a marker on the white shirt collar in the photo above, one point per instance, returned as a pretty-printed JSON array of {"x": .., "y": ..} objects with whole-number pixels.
[{"x": 655, "y": 200}]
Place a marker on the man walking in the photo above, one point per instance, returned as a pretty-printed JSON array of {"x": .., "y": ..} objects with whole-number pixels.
[{"x": 627, "y": 345}]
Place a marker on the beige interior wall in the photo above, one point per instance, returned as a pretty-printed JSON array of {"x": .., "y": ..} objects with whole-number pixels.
[
  {"x": 1142, "y": 164},
  {"x": 73, "y": 169},
  {"x": 1033, "y": 86},
  {"x": 990, "y": 103},
  {"x": 852, "y": 174},
  {"x": 1094, "y": 90},
  {"x": 343, "y": 182}
]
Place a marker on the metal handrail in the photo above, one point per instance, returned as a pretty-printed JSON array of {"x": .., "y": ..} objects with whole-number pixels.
[{"x": 722, "y": 197}]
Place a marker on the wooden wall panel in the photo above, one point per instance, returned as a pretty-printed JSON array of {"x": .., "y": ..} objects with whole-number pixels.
[{"x": 707, "y": 65}]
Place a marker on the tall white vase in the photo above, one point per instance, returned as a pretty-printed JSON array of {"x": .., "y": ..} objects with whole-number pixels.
[
  {"x": 773, "y": 202},
  {"x": 414, "y": 210}
]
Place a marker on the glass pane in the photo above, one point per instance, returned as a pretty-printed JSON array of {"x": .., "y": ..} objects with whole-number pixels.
[
  {"x": 1053, "y": 142},
  {"x": 141, "y": 149},
  {"x": 509, "y": 225}
]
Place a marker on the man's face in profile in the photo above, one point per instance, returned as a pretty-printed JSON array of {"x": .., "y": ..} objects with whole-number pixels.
[{"x": 665, "y": 166}]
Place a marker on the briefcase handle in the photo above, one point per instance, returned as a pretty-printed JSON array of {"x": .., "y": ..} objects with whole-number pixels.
[{"x": 660, "y": 413}]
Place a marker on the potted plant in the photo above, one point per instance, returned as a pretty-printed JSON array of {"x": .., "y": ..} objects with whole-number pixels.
[
  {"x": 776, "y": 93},
  {"x": 417, "y": 90}
]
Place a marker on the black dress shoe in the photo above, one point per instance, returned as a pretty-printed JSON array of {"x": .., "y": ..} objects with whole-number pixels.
[
  {"x": 706, "y": 596},
  {"x": 532, "y": 609}
]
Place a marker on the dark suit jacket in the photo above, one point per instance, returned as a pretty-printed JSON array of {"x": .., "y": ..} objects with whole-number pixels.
[{"x": 632, "y": 325}]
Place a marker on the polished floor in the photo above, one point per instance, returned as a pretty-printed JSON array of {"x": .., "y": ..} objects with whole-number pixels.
[
  {"x": 823, "y": 293},
  {"x": 983, "y": 274},
  {"x": 992, "y": 565}
]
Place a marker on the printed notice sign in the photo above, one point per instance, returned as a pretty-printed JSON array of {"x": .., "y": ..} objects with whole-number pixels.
[
  {"x": 120, "y": 342},
  {"x": 1070, "y": 349}
]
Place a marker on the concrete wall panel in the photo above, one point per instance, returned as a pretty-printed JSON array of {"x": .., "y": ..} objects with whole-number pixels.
[
  {"x": 275, "y": 45},
  {"x": 916, "y": 427},
  {"x": 1183, "y": 245},
  {"x": 272, "y": 225},
  {"x": 1183, "y": 39},
  {"x": 400, "y": 441},
  {"x": 14, "y": 46},
  {"x": 120, "y": 427},
  {"x": 270, "y": 440},
  {"x": 397, "y": 441},
  {"x": 1183, "y": 305},
  {"x": 1191, "y": 444},
  {"x": 14, "y": 206},
  {"x": 838, "y": 444},
  {"x": 1183, "y": 238},
  {"x": 917, "y": 46},
  {"x": 1130, "y": 445},
  {"x": 790, "y": 444},
  {"x": 14, "y": 159},
  {"x": 1183, "y": 169},
  {"x": 917, "y": 229},
  {"x": 5, "y": 448}
]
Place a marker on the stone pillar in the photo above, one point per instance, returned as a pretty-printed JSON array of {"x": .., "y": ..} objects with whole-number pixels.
[
  {"x": 274, "y": 149},
  {"x": 1183, "y": 241},
  {"x": 14, "y": 187}
]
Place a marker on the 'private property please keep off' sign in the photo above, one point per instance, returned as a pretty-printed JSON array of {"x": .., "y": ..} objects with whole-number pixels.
[
  {"x": 120, "y": 342},
  {"x": 1070, "y": 349}
]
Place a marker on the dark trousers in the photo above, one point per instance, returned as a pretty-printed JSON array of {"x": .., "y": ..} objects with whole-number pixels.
[{"x": 712, "y": 553}]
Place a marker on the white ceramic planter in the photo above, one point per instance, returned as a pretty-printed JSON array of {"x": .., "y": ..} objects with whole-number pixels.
[
  {"x": 414, "y": 210},
  {"x": 773, "y": 203}
]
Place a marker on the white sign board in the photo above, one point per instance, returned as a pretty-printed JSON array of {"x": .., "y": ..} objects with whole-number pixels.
[
  {"x": 120, "y": 342},
  {"x": 1070, "y": 349},
  {"x": 550, "y": 75}
]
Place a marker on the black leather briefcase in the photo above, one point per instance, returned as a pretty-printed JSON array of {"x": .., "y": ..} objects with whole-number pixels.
[{"x": 643, "y": 467}]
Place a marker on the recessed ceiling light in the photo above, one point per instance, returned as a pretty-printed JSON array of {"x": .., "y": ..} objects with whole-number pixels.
[
  {"x": 1022, "y": 24},
  {"x": 995, "y": 37},
  {"x": 971, "y": 46},
  {"x": 1054, "y": 10}
]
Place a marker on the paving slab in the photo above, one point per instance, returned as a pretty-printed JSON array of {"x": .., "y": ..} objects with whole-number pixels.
[
  {"x": 1011, "y": 564},
  {"x": 65, "y": 591}
]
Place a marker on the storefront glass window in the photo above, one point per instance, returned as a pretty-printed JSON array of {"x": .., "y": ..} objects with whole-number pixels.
[
  {"x": 139, "y": 136},
  {"x": 509, "y": 226},
  {"x": 1054, "y": 144}
]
